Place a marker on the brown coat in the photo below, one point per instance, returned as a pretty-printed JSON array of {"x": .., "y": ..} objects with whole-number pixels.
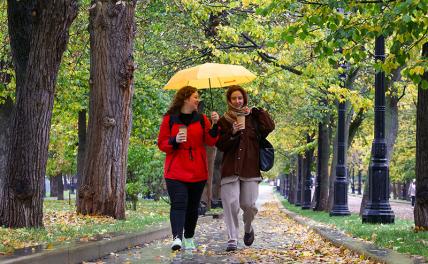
[{"x": 241, "y": 151}]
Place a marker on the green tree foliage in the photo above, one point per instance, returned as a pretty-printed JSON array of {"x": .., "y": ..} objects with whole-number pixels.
[
  {"x": 291, "y": 46},
  {"x": 6, "y": 68}
]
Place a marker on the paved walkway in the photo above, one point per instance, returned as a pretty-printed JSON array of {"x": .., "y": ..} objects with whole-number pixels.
[
  {"x": 402, "y": 210},
  {"x": 279, "y": 239}
]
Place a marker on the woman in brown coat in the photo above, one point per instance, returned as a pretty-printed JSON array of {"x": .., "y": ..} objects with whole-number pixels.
[{"x": 240, "y": 167}]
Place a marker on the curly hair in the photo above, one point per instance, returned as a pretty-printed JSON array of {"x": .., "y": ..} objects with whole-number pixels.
[
  {"x": 234, "y": 88},
  {"x": 178, "y": 101}
]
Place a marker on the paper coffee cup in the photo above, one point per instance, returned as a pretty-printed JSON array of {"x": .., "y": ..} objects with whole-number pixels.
[
  {"x": 240, "y": 119},
  {"x": 183, "y": 130}
]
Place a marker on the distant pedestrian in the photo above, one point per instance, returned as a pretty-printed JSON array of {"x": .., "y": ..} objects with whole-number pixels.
[
  {"x": 240, "y": 128},
  {"x": 182, "y": 136},
  {"x": 412, "y": 192}
]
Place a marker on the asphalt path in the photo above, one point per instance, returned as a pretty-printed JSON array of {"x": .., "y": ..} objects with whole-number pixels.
[{"x": 278, "y": 239}]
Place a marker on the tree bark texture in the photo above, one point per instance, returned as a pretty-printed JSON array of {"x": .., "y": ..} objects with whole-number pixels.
[
  {"x": 394, "y": 190},
  {"x": 365, "y": 198},
  {"x": 207, "y": 196},
  {"x": 217, "y": 176},
  {"x": 421, "y": 207},
  {"x": 323, "y": 159},
  {"x": 60, "y": 185},
  {"x": 5, "y": 117},
  {"x": 38, "y": 33},
  {"x": 81, "y": 131},
  {"x": 391, "y": 113},
  {"x": 54, "y": 186},
  {"x": 112, "y": 30}
]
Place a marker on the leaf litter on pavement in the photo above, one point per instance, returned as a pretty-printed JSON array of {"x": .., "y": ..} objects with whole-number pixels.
[
  {"x": 278, "y": 239},
  {"x": 299, "y": 244}
]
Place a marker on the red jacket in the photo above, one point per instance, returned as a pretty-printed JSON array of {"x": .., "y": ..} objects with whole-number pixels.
[{"x": 185, "y": 161}]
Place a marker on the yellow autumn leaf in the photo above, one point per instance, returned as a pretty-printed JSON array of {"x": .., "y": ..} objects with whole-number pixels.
[{"x": 419, "y": 70}]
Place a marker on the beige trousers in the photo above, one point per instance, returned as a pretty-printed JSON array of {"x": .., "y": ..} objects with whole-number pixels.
[{"x": 235, "y": 195}]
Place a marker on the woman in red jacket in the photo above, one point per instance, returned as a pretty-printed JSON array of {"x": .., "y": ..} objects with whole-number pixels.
[{"x": 182, "y": 136}]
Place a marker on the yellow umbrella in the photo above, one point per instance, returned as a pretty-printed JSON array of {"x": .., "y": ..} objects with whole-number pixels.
[{"x": 210, "y": 75}]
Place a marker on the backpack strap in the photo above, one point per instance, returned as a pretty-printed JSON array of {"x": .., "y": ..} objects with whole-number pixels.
[{"x": 256, "y": 127}]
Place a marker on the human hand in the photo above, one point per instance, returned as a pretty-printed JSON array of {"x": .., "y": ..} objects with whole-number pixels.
[
  {"x": 254, "y": 110},
  {"x": 237, "y": 126},
  {"x": 181, "y": 137},
  {"x": 214, "y": 117},
  {"x": 246, "y": 109}
]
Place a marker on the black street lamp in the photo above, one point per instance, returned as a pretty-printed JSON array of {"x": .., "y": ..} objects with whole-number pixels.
[
  {"x": 340, "y": 203},
  {"x": 287, "y": 177},
  {"x": 291, "y": 187},
  {"x": 359, "y": 182},
  {"x": 377, "y": 209},
  {"x": 318, "y": 179},
  {"x": 307, "y": 179},
  {"x": 353, "y": 181}
]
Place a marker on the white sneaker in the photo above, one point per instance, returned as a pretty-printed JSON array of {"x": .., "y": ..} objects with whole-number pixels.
[{"x": 176, "y": 244}]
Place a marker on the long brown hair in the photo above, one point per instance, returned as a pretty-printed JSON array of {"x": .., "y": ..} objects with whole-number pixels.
[
  {"x": 234, "y": 88},
  {"x": 178, "y": 101}
]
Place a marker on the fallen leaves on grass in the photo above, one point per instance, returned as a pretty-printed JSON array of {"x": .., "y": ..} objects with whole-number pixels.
[{"x": 62, "y": 223}]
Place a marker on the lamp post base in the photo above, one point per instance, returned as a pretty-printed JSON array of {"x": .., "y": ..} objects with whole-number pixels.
[
  {"x": 375, "y": 214},
  {"x": 340, "y": 210}
]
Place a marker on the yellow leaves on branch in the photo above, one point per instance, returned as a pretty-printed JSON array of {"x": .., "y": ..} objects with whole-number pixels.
[
  {"x": 344, "y": 94},
  {"x": 247, "y": 3},
  {"x": 419, "y": 70}
]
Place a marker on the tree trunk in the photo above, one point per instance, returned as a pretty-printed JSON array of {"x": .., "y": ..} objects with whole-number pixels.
[
  {"x": 365, "y": 198},
  {"x": 60, "y": 184},
  {"x": 5, "y": 116},
  {"x": 38, "y": 33},
  {"x": 81, "y": 131},
  {"x": 421, "y": 206},
  {"x": 394, "y": 190},
  {"x": 112, "y": 30},
  {"x": 217, "y": 177},
  {"x": 391, "y": 113},
  {"x": 323, "y": 159},
  {"x": 207, "y": 196},
  {"x": 54, "y": 186}
]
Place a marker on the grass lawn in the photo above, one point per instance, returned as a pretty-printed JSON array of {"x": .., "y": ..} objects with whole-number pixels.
[
  {"x": 62, "y": 224},
  {"x": 399, "y": 236}
]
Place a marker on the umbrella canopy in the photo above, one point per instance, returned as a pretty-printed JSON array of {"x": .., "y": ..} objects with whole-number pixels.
[{"x": 210, "y": 75}]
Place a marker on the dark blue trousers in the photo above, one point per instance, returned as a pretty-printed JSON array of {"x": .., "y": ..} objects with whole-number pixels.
[{"x": 184, "y": 197}]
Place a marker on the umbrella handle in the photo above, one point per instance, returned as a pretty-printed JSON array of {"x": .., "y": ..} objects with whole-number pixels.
[{"x": 211, "y": 95}]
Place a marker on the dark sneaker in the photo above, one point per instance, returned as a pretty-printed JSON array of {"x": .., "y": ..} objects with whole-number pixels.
[
  {"x": 249, "y": 238},
  {"x": 232, "y": 245}
]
